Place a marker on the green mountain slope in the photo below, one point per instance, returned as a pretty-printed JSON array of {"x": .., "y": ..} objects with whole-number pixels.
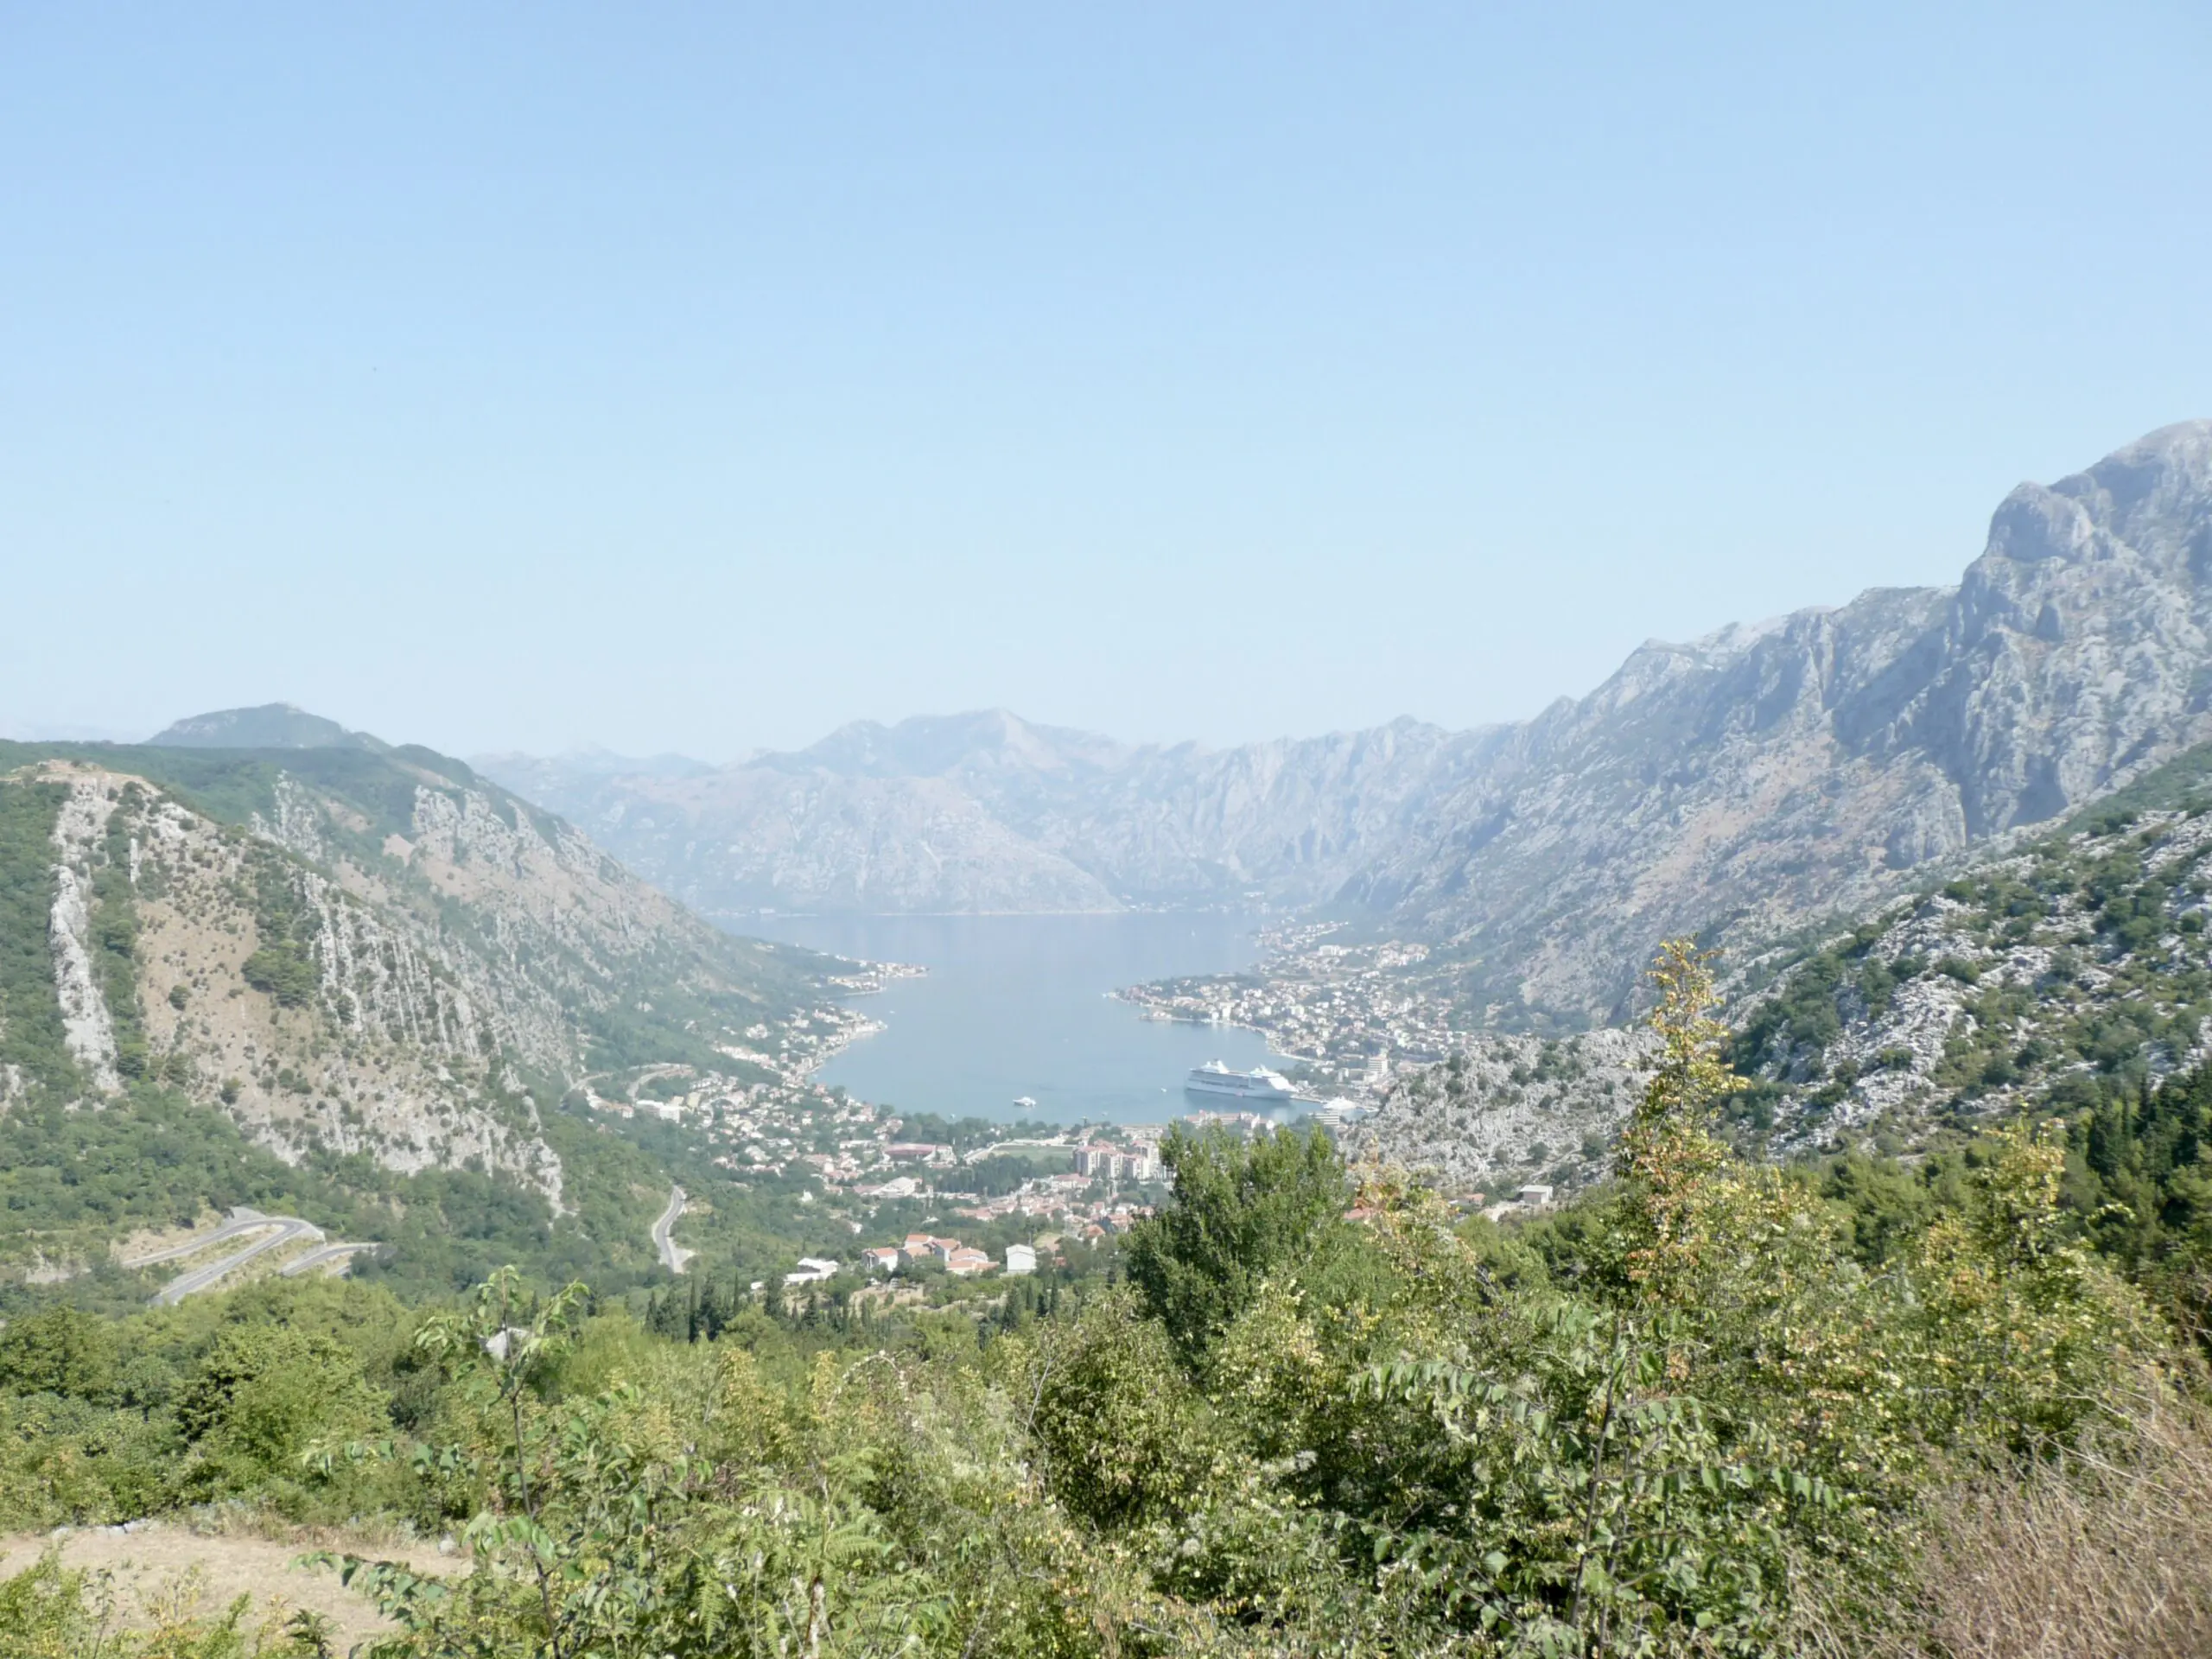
[{"x": 375, "y": 979}]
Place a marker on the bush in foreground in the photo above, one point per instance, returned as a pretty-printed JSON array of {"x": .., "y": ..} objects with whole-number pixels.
[{"x": 1696, "y": 1416}]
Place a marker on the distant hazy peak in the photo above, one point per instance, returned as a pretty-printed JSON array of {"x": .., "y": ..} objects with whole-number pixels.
[
  {"x": 932, "y": 746},
  {"x": 591, "y": 761},
  {"x": 272, "y": 726}
]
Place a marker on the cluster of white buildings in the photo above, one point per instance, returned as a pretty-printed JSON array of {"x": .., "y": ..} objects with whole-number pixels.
[
  {"x": 1341, "y": 1009},
  {"x": 850, "y": 1155},
  {"x": 957, "y": 1259},
  {"x": 964, "y": 1261},
  {"x": 1138, "y": 1161}
]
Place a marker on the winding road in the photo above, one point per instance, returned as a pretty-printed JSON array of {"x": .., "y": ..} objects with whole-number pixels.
[
  {"x": 288, "y": 1230},
  {"x": 320, "y": 1256},
  {"x": 279, "y": 1230},
  {"x": 672, "y": 1255},
  {"x": 242, "y": 1220}
]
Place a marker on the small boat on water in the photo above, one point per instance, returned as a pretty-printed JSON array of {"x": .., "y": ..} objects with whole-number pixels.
[{"x": 1024, "y": 1103}]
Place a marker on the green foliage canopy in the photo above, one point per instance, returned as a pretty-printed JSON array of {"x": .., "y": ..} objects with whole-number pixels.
[{"x": 1243, "y": 1211}]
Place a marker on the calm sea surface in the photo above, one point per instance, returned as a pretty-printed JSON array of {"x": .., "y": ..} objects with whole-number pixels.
[{"x": 1017, "y": 1005}]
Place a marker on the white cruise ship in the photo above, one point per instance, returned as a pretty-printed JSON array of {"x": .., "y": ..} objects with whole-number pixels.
[{"x": 1271, "y": 1088}]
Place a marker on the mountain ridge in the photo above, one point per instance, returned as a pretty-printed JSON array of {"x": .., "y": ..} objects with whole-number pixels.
[
  {"x": 1742, "y": 781},
  {"x": 1750, "y": 780},
  {"x": 348, "y": 950}
]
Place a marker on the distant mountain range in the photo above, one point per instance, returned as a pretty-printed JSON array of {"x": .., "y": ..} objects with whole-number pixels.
[
  {"x": 986, "y": 812},
  {"x": 1742, "y": 782}
]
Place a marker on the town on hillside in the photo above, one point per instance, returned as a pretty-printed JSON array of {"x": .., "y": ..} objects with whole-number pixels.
[
  {"x": 1345, "y": 1013},
  {"x": 1077, "y": 1187}
]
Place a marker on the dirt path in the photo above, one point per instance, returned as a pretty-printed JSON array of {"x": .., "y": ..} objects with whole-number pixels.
[{"x": 155, "y": 1558}]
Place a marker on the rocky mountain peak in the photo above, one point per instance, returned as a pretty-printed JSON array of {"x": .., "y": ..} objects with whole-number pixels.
[{"x": 1743, "y": 780}]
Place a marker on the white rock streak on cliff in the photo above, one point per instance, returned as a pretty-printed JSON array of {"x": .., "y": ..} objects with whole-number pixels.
[{"x": 85, "y": 1022}]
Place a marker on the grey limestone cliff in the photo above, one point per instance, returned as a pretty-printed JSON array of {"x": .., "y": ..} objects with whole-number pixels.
[
  {"x": 1765, "y": 774},
  {"x": 354, "y": 949}
]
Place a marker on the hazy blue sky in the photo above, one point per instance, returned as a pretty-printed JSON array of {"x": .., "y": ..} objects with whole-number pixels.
[{"x": 704, "y": 376}]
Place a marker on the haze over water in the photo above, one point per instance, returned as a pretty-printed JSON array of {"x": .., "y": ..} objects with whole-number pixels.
[{"x": 1017, "y": 1005}]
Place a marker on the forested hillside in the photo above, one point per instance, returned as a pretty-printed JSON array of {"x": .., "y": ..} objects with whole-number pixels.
[{"x": 1719, "y": 1406}]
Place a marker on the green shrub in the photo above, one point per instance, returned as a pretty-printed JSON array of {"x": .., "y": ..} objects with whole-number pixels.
[
  {"x": 284, "y": 974},
  {"x": 58, "y": 1351}
]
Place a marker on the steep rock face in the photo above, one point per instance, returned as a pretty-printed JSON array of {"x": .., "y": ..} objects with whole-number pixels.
[
  {"x": 1765, "y": 774},
  {"x": 88, "y": 1029},
  {"x": 178, "y": 931},
  {"x": 375, "y": 955}
]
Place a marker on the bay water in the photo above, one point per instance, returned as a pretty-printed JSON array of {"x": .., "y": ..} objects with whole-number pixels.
[{"x": 1015, "y": 1005}]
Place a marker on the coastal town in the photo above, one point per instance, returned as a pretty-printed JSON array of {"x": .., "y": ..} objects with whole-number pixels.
[
  {"x": 1056, "y": 1189},
  {"x": 927, "y": 1198},
  {"x": 1347, "y": 1014}
]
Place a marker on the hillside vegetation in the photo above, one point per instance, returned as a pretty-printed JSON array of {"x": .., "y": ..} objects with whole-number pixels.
[
  {"x": 357, "y": 980},
  {"x": 1717, "y": 1408},
  {"x": 2069, "y": 971},
  {"x": 2066, "y": 974}
]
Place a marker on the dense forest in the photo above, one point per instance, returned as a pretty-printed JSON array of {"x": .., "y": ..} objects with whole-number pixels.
[{"x": 1717, "y": 1406}]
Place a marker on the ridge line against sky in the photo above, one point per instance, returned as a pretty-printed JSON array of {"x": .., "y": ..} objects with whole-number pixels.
[{"x": 533, "y": 378}]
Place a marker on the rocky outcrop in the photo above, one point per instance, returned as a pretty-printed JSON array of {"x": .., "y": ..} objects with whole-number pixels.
[
  {"x": 385, "y": 958},
  {"x": 1505, "y": 1110},
  {"x": 1760, "y": 776}
]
